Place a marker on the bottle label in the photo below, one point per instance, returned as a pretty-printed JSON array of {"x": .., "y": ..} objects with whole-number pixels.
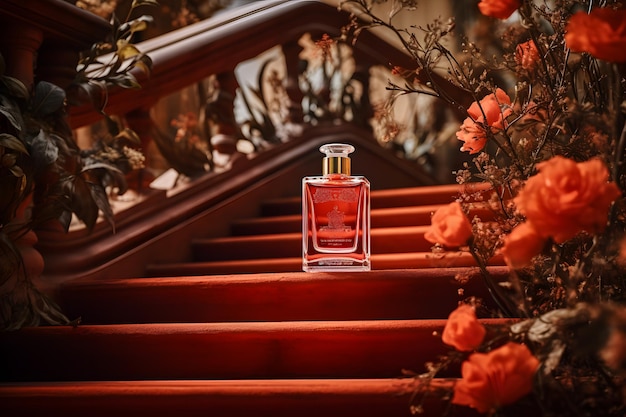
[
  {"x": 334, "y": 220},
  {"x": 324, "y": 195}
]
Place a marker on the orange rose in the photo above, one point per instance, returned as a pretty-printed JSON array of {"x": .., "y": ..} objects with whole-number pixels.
[
  {"x": 490, "y": 111},
  {"x": 527, "y": 55},
  {"x": 566, "y": 197},
  {"x": 500, "y": 9},
  {"x": 500, "y": 377},
  {"x": 602, "y": 33},
  {"x": 473, "y": 136},
  {"x": 449, "y": 226},
  {"x": 521, "y": 245},
  {"x": 463, "y": 331}
]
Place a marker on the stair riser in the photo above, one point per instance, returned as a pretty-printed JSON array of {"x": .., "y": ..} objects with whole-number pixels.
[
  {"x": 280, "y": 297},
  {"x": 388, "y": 240},
  {"x": 400, "y": 217},
  {"x": 374, "y": 349},
  {"x": 403, "y": 197}
]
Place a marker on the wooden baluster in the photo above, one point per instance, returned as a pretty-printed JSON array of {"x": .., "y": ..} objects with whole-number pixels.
[
  {"x": 222, "y": 126},
  {"x": 141, "y": 123},
  {"x": 291, "y": 51},
  {"x": 363, "y": 111}
]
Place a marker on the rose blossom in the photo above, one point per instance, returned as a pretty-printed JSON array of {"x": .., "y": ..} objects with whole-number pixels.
[
  {"x": 566, "y": 197},
  {"x": 463, "y": 331},
  {"x": 449, "y": 226},
  {"x": 527, "y": 55},
  {"x": 521, "y": 245},
  {"x": 473, "y": 136},
  {"x": 602, "y": 33},
  {"x": 490, "y": 111},
  {"x": 500, "y": 377},
  {"x": 500, "y": 9}
]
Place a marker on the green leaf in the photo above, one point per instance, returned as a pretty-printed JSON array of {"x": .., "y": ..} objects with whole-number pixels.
[
  {"x": 129, "y": 135},
  {"x": 126, "y": 81},
  {"x": 102, "y": 201},
  {"x": 11, "y": 111},
  {"x": 48, "y": 99},
  {"x": 126, "y": 30},
  {"x": 11, "y": 142},
  {"x": 101, "y": 165},
  {"x": 17, "y": 172},
  {"x": 140, "y": 24},
  {"x": 144, "y": 63},
  {"x": 43, "y": 149},
  {"x": 82, "y": 202},
  {"x": 15, "y": 87},
  {"x": 137, "y": 3},
  {"x": 126, "y": 50}
]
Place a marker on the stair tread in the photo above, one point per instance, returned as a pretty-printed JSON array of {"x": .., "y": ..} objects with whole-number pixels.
[
  {"x": 170, "y": 387},
  {"x": 266, "y": 397},
  {"x": 294, "y": 349},
  {"x": 380, "y": 261}
]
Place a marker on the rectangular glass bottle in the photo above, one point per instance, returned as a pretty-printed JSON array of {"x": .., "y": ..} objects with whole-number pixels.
[{"x": 336, "y": 216}]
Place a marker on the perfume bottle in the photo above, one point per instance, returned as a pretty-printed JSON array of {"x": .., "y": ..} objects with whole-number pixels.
[{"x": 336, "y": 215}]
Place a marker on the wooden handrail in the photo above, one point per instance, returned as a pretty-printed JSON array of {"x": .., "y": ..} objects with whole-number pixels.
[{"x": 216, "y": 45}]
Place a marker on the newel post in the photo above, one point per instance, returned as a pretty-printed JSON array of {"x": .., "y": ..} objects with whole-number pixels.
[{"x": 19, "y": 44}]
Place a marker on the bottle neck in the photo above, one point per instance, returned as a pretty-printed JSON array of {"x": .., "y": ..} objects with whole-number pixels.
[{"x": 336, "y": 165}]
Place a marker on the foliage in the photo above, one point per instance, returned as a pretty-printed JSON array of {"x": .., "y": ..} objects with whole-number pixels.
[
  {"x": 41, "y": 159},
  {"x": 543, "y": 100}
]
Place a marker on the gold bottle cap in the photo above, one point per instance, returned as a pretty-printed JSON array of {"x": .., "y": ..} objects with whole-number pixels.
[{"x": 337, "y": 160}]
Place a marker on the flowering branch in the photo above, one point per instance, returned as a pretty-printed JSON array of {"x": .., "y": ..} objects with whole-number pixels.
[{"x": 545, "y": 123}]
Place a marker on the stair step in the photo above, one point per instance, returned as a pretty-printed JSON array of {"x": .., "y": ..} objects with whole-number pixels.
[
  {"x": 232, "y": 398},
  {"x": 411, "y": 260},
  {"x": 259, "y": 350},
  {"x": 284, "y": 245},
  {"x": 380, "y": 218},
  {"x": 390, "y": 294},
  {"x": 397, "y": 197}
]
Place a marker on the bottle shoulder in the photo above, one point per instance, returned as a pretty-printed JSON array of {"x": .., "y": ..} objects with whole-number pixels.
[{"x": 336, "y": 180}]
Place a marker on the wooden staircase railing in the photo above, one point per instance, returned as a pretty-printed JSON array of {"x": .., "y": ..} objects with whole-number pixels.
[
  {"x": 187, "y": 56},
  {"x": 208, "y": 206}
]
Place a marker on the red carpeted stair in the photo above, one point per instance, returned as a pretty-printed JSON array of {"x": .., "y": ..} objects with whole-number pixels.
[{"x": 240, "y": 331}]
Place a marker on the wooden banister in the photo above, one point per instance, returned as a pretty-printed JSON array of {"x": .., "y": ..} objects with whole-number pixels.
[{"x": 218, "y": 44}]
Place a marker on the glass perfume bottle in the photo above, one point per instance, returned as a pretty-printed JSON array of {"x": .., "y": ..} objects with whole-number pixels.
[{"x": 336, "y": 215}]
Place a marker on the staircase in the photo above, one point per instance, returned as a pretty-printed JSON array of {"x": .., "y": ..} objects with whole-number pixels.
[
  {"x": 197, "y": 306},
  {"x": 238, "y": 331}
]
